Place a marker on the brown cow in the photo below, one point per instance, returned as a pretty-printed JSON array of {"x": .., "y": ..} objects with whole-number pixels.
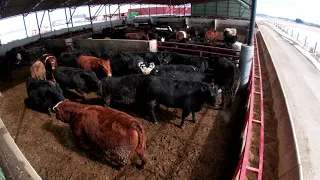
[
  {"x": 50, "y": 63},
  {"x": 115, "y": 134},
  {"x": 211, "y": 36},
  {"x": 38, "y": 70},
  {"x": 95, "y": 64},
  {"x": 182, "y": 35},
  {"x": 107, "y": 38},
  {"x": 136, "y": 36}
]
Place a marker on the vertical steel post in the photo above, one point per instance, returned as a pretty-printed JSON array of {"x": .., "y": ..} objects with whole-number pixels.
[
  {"x": 49, "y": 20},
  {"x": 38, "y": 24},
  {"x": 110, "y": 15},
  {"x": 90, "y": 17},
  {"x": 25, "y": 27},
  {"x": 149, "y": 9},
  {"x": 252, "y": 22},
  {"x": 184, "y": 8},
  {"x": 315, "y": 48},
  {"x": 65, "y": 12},
  {"x": 119, "y": 12},
  {"x": 71, "y": 17}
]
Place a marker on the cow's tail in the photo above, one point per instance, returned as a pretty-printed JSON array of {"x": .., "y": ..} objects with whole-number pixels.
[{"x": 141, "y": 148}]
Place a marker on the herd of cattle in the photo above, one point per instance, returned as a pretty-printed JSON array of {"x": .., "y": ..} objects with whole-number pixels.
[
  {"x": 171, "y": 33},
  {"x": 145, "y": 79}
]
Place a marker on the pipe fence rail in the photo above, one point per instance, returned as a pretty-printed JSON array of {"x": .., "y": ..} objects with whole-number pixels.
[
  {"x": 252, "y": 122},
  {"x": 201, "y": 52}
]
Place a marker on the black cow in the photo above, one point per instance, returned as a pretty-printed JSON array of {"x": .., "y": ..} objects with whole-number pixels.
[
  {"x": 123, "y": 63},
  {"x": 6, "y": 68},
  {"x": 158, "y": 58},
  {"x": 70, "y": 58},
  {"x": 183, "y": 72},
  {"x": 199, "y": 62},
  {"x": 190, "y": 96},
  {"x": 121, "y": 89},
  {"x": 77, "y": 79},
  {"x": 44, "y": 94},
  {"x": 227, "y": 76}
]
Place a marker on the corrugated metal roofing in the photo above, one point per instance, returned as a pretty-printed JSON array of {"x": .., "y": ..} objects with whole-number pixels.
[{"x": 15, "y": 7}]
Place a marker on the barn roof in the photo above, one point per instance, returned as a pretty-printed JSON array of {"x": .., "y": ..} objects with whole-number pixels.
[{"x": 15, "y": 7}]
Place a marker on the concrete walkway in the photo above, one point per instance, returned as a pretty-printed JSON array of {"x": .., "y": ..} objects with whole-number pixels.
[{"x": 301, "y": 85}]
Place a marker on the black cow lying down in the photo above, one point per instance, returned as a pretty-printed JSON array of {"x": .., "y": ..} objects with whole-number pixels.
[
  {"x": 44, "y": 94},
  {"x": 121, "y": 89},
  {"x": 77, "y": 79},
  {"x": 183, "y": 72},
  {"x": 190, "y": 96}
]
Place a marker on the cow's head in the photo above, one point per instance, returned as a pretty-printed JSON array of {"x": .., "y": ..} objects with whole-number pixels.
[
  {"x": 212, "y": 94},
  {"x": 106, "y": 67},
  {"x": 58, "y": 108},
  {"x": 49, "y": 60}
]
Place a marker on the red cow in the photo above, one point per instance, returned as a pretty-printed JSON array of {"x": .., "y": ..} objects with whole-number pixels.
[
  {"x": 95, "y": 64},
  {"x": 211, "y": 36},
  {"x": 136, "y": 36},
  {"x": 182, "y": 35},
  {"x": 115, "y": 134}
]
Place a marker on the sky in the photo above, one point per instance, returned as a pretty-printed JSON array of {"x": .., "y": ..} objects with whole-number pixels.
[{"x": 307, "y": 10}]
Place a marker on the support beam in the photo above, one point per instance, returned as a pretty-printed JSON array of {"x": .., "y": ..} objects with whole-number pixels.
[
  {"x": 25, "y": 27},
  {"x": 49, "y": 20},
  {"x": 44, "y": 12},
  {"x": 90, "y": 17},
  {"x": 65, "y": 12},
  {"x": 38, "y": 24},
  {"x": 243, "y": 4},
  {"x": 3, "y": 6},
  {"x": 119, "y": 11},
  {"x": 110, "y": 16},
  {"x": 246, "y": 58},
  {"x": 71, "y": 14},
  {"x": 252, "y": 22}
]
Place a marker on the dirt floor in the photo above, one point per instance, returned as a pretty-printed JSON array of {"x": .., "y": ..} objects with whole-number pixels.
[{"x": 206, "y": 150}]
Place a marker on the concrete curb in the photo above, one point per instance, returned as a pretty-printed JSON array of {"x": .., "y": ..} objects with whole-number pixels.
[
  {"x": 286, "y": 130},
  {"x": 12, "y": 161}
]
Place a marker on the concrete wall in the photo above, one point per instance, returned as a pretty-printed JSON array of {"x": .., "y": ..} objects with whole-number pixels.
[
  {"x": 15, "y": 165},
  {"x": 228, "y": 8},
  {"x": 116, "y": 45},
  {"x": 288, "y": 167}
]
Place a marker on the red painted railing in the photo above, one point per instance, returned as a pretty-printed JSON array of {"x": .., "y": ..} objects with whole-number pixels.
[{"x": 250, "y": 122}]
